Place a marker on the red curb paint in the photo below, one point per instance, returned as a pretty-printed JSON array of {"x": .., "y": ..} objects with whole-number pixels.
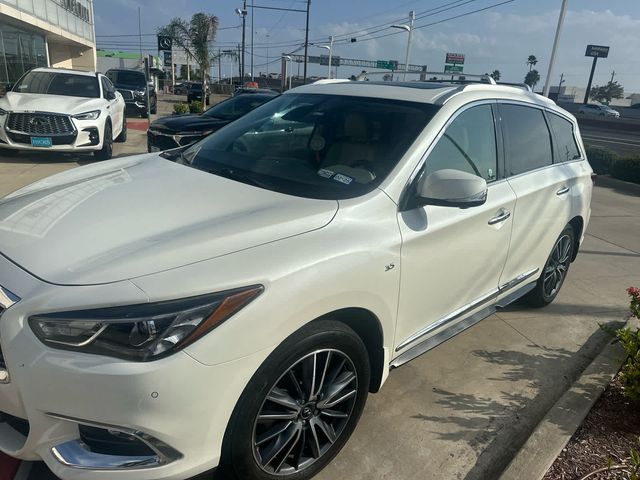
[
  {"x": 8, "y": 467},
  {"x": 142, "y": 126}
]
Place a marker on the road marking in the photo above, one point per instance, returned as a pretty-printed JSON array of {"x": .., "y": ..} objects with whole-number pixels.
[{"x": 603, "y": 140}]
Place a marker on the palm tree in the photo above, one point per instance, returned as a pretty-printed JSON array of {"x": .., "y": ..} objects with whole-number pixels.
[
  {"x": 194, "y": 37},
  {"x": 532, "y": 78},
  {"x": 495, "y": 75},
  {"x": 531, "y": 61}
]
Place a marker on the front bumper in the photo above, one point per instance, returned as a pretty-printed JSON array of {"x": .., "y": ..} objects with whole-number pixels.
[
  {"x": 177, "y": 405},
  {"x": 81, "y": 140}
]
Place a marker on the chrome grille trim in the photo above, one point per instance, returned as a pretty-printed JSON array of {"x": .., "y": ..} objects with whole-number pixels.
[{"x": 40, "y": 123}]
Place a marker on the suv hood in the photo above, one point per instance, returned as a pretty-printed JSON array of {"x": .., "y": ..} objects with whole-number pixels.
[
  {"x": 35, "y": 102},
  {"x": 127, "y": 218},
  {"x": 188, "y": 122}
]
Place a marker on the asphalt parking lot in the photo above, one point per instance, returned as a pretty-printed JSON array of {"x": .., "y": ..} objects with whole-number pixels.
[{"x": 464, "y": 409}]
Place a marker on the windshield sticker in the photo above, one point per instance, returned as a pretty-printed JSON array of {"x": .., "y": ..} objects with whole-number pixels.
[
  {"x": 339, "y": 177},
  {"x": 326, "y": 173}
]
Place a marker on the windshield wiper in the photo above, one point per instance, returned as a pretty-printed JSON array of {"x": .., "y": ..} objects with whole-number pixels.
[{"x": 236, "y": 175}]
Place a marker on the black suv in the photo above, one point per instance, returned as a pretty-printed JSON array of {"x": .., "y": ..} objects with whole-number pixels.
[
  {"x": 194, "y": 92},
  {"x": 132, "y": 84}
]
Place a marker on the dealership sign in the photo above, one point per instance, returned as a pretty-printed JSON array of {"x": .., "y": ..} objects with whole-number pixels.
[
  {"x": 455, "y": 58},
  {"x": 599, "y": 51}
]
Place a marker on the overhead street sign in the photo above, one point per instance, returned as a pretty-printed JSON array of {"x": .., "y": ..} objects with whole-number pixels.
[
  {"x": 386, "y": 64},
  {"x": 599, "y": 51},
  {"x": 455, "y": 58},
  {"x": 453, "y": 68},
  {"x": 335, "y": 60},
  {"x": 164, "y": 42}
]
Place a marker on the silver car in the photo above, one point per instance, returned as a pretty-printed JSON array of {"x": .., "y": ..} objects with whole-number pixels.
[{"x": 599, "y": 110}]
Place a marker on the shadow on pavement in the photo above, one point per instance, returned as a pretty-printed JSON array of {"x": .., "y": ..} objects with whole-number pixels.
[{"x": 513, "y": 417}]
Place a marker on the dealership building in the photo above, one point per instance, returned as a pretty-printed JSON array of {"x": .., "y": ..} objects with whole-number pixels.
[{"x": 45, "y": 33}]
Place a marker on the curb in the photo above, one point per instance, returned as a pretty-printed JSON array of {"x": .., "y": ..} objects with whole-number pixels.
[
  {"x": 607, "y": 181},
  {"x": 554, "y": 431}
]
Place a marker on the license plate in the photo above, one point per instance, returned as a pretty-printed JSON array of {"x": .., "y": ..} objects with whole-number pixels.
[{"x": 41, "y": 142}]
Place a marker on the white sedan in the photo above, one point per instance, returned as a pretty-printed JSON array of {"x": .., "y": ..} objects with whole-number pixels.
[
  {"x": 64, "y": 111},
  {"x": 598, "y": 110}
]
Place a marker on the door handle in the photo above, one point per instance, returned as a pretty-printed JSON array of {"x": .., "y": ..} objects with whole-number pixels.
[
  {"x": 501, "y": 217},
  {"x": 564, "y": 189}
]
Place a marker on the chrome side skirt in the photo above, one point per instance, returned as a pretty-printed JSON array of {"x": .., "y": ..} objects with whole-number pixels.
[{"x": 441, "y": 337}]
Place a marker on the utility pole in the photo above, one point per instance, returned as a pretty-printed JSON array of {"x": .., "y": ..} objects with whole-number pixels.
[
  {"x": 306, "y": 42},
  {"x": 244, "y": 29},
  {"x": 561, "y": 82},
  {"x": 240, "y": 64},
  {"x": 412, "y": 17},
  {"x": 547, "y": 81},
  {"x": 330, "y": 54},
  {"x": 219, "y": 66},
  {"x": 613, "y": 74},
  {"x": 252, "y": 40}
]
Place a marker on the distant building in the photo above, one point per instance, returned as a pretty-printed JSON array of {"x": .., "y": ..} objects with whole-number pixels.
[
  {"x": 568, "y": 94},
  {"x": 45, "y": 33}
]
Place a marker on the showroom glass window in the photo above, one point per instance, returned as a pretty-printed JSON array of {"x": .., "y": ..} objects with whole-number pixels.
[{"x": 21, "y": 52}]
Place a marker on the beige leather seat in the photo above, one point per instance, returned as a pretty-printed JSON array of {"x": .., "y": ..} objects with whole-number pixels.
[{"x": 353, "y": 145}]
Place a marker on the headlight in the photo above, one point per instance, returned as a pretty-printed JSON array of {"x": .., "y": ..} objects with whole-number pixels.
[
  {"x": 141, "y": 332},
  {"x": 93, "y": 115}
]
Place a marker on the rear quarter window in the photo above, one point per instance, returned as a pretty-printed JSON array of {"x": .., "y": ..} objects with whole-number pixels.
[{"x": 567, "y": 147}]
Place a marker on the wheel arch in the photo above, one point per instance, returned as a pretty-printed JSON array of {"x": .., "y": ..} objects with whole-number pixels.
[
  {"x": 577, "y": 223},
  {"x": 368, "y": 327}
]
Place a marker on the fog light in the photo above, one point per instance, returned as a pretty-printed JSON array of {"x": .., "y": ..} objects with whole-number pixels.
[{"x": 94, "y": 136}]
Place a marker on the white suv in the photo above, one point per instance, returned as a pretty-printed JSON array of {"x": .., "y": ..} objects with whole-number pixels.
[
  {"x": 236, "y": 305},
  {"x": 63, "y": 111}
]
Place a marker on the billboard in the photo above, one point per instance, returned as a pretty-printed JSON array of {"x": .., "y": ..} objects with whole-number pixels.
[{"x": 599, "y": 51}]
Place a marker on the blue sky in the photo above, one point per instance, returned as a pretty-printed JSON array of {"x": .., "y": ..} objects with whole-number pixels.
[{"x": 498, "y": 38}]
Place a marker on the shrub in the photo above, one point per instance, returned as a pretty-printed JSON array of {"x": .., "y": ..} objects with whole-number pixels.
[
  {"x": 180, "y": 108},
  {"x": 626, "y": 169},
  {"x": 630, "y": 372},
  {"x": 600, "y": 159},
  {"x": 196, "y": 107}
]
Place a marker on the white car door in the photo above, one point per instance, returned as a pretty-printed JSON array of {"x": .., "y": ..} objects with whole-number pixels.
[
  {"x": 542, "y": 187},
  {"x": 452, "y": 258}
]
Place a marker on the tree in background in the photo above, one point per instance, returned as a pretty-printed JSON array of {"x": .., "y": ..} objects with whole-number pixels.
[
  {"x": 532, "y": 78},
  {"x": 495, "y": 75},
  {"x": 194, "y": 37},
  {"x": 605, "y": 93},
  {"x": 532, "y": 61}
]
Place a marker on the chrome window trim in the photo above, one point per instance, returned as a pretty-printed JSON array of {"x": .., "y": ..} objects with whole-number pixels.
[
  {"x": 75, "y": 454},
  {"x": 456, "y": 314}
]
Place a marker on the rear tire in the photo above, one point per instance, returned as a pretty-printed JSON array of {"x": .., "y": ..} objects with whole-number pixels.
[
  {"x": 323, "y": 414},
  {"x": 107, "y": 144},
  {"x": 555, "y": 270},
  {"x": 123, "y": 134}
]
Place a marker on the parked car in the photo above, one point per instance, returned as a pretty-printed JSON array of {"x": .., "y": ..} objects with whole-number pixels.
[
  {"x": 179, "y": 130},
  {"x": 253, "y": 90},
  {"x": 64, "y": 111},
  {"x": 133, "y": 86},
  {"x": 598, "y": 110},
  {"x": 181, "y": 88},
  {"x": 194, "y": 92},
  {"x": 236, "y": 306}
]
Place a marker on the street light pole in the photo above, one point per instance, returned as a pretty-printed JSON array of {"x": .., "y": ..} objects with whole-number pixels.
[
  {"x": 547, "y": 81},
  {"x": 243, "y": 13},
  {"x": 252, "y": 41},
  {"x": 409, "y": 30}
]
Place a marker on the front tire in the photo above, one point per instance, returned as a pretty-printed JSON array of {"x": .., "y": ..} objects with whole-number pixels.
[
  {"x": 555, "y": 270},
  {"x": 107, "y": 144},
  {"x": 301, "y": 406},
  {"x": 123, "y": 134}
]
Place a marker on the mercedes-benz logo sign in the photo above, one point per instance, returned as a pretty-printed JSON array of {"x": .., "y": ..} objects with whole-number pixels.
[
  {"x": 38, "y": 121},
  {"x": 165, "y": 43}
]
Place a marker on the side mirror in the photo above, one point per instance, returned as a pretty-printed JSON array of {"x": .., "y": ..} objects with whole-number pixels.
[
  {"x": 452, "y": 188},
  {"x": 110, "y": 96}
]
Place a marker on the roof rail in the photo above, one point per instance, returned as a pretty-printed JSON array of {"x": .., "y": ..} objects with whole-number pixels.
[
  {"x": 462, "y": 77},
  {"x": 524, "y": 86}
]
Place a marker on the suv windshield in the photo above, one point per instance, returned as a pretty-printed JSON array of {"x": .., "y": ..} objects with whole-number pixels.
[
  {"x": 235, "y": 107},
  {"x": 58, "y": 83},
  {"x": 127, "y": 78},
  {"x": 315, "y": 146}
]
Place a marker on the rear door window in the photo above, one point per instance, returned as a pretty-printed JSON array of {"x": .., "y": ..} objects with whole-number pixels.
[
  {"x": 566, "y": 145},
  {"x": 527, "y": 138},
  {"x": 468, "y": 144}
]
